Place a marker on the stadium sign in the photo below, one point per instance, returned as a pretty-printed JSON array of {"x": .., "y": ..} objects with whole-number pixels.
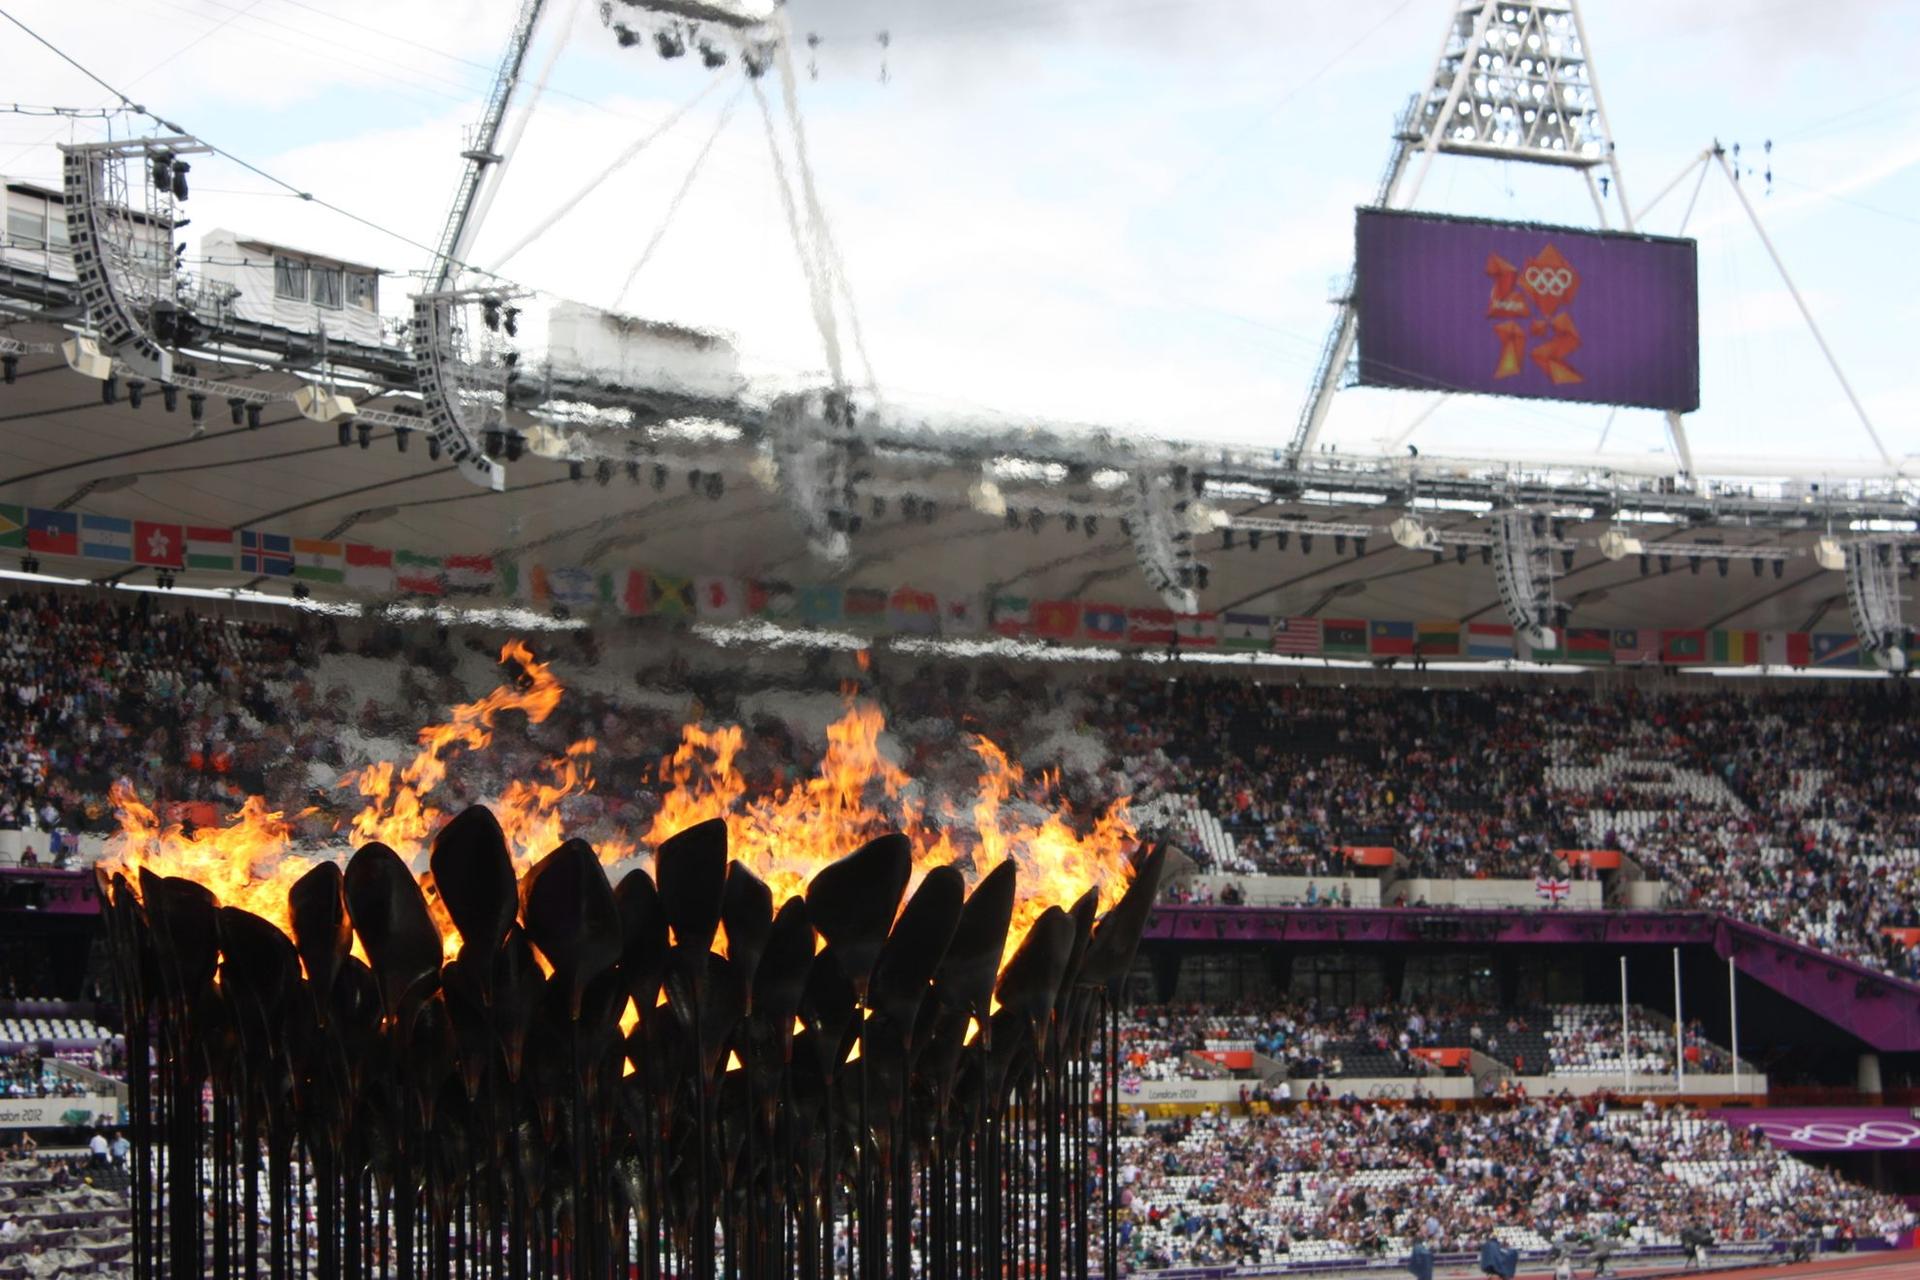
[
  {"x": 1516, "y": 309},
  {"x": 56, "y": 1113},
  {"x": 1830, "y": 1128}
]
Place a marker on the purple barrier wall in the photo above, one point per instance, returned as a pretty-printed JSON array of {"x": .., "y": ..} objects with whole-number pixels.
[
  {"x": 45, "y": 889},
  {"x": 1883, "y": 1011},
  {"x": 1829, "y": 1128}
]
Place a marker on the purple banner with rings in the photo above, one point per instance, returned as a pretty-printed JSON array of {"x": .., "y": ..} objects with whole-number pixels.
[
  {"x": 1830, "y": 1128},
  {"x": 1514, "y": 309}
]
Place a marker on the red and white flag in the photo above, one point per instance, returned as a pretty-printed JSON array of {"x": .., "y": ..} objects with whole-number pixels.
[{"x": 1551, "y": 889}]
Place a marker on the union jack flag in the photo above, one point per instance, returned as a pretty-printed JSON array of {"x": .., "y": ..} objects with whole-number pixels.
[{"x": 1552, "y": 890}]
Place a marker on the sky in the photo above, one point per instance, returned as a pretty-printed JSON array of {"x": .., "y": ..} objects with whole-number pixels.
[{"x": 1125, "y": 213}]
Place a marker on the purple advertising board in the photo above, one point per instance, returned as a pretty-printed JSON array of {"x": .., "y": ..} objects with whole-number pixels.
[
  {"x": 1515, "y": 309},
  {"x": 1830, "y": 1128}
]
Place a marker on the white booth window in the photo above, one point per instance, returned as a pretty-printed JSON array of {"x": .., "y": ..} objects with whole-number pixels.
[
  {"x": 326, "y": 287},
  {"x": 289, "y": 278}
]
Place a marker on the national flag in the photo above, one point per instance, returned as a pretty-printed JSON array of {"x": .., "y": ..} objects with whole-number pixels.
[
  {"x": 670, "y": 597},
  {"x": 864, "y": 604},
  {"x": 1056, "y": 619},
  {"x": 961, "y": 616},
  {"x": 1390, "y": 639},
  {"x": 1246, "y": 632},
  {"x": 914, "y": 612},
  {"x": 209, "y": 547},
  {"x": 1683, "y": 648},
  {"x": 1786, "y": 648},
  {"x": 1589, "y": 644},
  {"x": 1736, "y": 648},
  {"x": 1343, "y": 638},
  {"x": 1438, "y": 639},
  {"x": 632, "y": 592},
  {"x": 318, "y": 561},
  {"x": 13, "y": 525},
  {"x": 1104, "y": 622},
  {"x": 818, "y": 605},
  {"x": 106, "y": 538},
  {"x": 369, "y": 568},
  {"x": 421, "y": 575},
  {"x": 267, "y": 554},
  {"x": 1633, "y": 646},
  {"x": 159, "y": 545},
  {"x": 1150, "y": 626},
  {"x": 469, "y": 575},
  {"x": 1297, "y": 636},
  {"x": 1493, "y": 640},
  {"x": 771, "y": 599},
  {"x": 55, "y": 532},
  {"x": 571, "y": 585},
  {"x": 1197, "y": 630},
  {"x": 720, "y": 599},
  {"x": 1553, "y": 890},
  {"x": 1010, "y": 616},
  {"x": 1555, "y": 652},
  {"x": 1836, "y": 649}
]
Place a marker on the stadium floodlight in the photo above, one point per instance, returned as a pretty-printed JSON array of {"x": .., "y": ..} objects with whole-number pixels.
[
  {"x": 1829, "y": 554},
  {"x": 986, "y": 498},
  {"x": 1616, "y": 544},
  {"x": 322, "y": 404},
  {"x": 1873, "y": 600},
  {"x": 85, "y": 357},
  {"x": 1411, "y": 534}
]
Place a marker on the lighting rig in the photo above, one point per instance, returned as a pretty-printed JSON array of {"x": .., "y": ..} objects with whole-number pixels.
[
  {"x": 1523, "y": 572},
  {"x": 1873, "y": 600}
]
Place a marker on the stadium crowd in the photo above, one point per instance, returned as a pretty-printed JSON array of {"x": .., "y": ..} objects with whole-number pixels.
[
  {"x": 1346, "y": 1180},
  {"x": 1797, "y": 810}
]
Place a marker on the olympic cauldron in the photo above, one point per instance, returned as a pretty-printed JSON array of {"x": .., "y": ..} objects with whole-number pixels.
[{"x": 667, "y": 1076}]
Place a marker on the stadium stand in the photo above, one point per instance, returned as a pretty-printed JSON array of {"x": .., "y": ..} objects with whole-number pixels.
[{"x": 1355, "y": 1183}]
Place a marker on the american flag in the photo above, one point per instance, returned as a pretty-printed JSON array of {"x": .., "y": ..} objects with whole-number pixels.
[
  {"x": 1296, "y": 635},
  {"x": 1552, "y": 890}
]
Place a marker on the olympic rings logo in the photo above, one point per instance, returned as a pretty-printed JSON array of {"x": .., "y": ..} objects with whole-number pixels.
[
  {"x": 1549, "y": 282},
  {"x": 1882, "y": 1135}
]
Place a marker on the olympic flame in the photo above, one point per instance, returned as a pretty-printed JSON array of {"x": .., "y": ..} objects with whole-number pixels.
[{"x": 783, "y": 834}]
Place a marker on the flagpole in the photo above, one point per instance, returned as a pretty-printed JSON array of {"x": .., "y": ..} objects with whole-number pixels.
[
  {"x": 1733, "y": 1016},
  {"x": 1626, "y": 1079},
  {"x": 1679, "y": 1032}
]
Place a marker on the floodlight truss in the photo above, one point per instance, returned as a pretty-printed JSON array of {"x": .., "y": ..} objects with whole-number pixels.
[
  {"x": 1523, "y": 572},
  {"x": 121, "y": 231},
  {"x": 1162, "y": 542},
  {"x": 1512, "y": 83},
  {"x": 1873, "y": 600}
]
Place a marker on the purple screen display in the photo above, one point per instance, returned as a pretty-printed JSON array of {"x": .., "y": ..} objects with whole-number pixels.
[{"x": 1510, "y": 309}]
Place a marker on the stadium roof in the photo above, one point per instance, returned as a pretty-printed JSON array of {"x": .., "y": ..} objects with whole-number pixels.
[{"x": 68, "y": 450}]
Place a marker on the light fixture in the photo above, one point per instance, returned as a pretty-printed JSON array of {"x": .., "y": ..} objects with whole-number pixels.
[
  {"x": 1409, "y": 533},
  {"x": 1721, "y": 562},
  {"x": 85, "y": 357},
  {"x": 1306, "y": 544},
  {"x": 1339, "y": 544},
  {"x": 322, "y": 404},
  {"x": 633, "y": 470},
  {"x": 1359, "y": 545},
  {"x": 433, "y": 447},
  {"x": 1226, "y": 539},
  {"x": 603, "y": 472},
  {"x": 9, "y": 368},
  {"x": 1829, "y": 554},
  {"x": 346, "y": 432},
  {"x": 1616, "y": 544},
  {"x": 236, "y": 410},
  {"x": 253, "y": 416},
  {"x": 576, "y": 470},
  {"x": 1566, "y": 560},
  {"x": 1280, "y": 537},
  {"x": 402, "y": 437},
  {"x": 197, "y": 408},
  {"x": 136, "y": 392},
  {"x": 169, "y": 397},
  {"x": 659, "y": 477},
  {"x": 716, "y": 486},
  {"x": 516, "y": 446},
  {"x": 110, "y": 390}
]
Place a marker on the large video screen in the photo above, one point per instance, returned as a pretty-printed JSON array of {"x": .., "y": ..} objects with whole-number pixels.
[{"x": 1514, "y": 309}]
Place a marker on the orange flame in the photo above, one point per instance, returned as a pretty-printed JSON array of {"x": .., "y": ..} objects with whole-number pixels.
[
  {"x": 788, "y": 834},
  {"x": 784, "y": 835}
]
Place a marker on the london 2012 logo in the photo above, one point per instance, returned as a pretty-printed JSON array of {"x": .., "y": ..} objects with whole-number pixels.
[{"x": 1535, "y": 302}]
